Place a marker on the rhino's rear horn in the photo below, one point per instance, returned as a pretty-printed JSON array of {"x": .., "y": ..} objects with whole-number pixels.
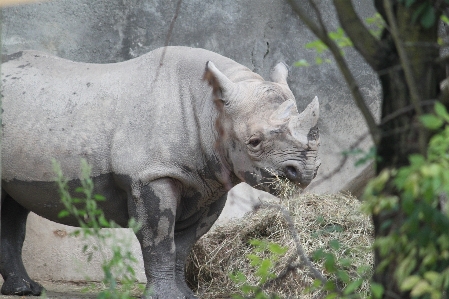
[{"x": 283, "y": 113}]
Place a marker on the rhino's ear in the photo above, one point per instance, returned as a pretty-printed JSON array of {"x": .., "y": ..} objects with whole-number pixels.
[
  {"x": 222, "y": 86},
  {"x": 283, "y": 113},
  {"x": 279, "y": 73},
  {"x": 305, "y": 121}
]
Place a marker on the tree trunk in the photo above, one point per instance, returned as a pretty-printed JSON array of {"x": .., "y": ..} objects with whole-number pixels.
[{"x": 401, "y": 132}]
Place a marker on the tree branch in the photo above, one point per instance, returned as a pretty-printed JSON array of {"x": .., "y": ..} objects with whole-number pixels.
[
  {"x": 366, "y": 44},
  {"x": 299, "y": 250},
  {"x": 342, "y": 163},
  {"x": 408, "y": 72},
  {"x": 321, "y": 33},
  {"x": 405, "y": 61}
]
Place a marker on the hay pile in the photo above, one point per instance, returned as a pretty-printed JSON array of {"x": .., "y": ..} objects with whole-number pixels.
[{"x": 318, "y": 220}]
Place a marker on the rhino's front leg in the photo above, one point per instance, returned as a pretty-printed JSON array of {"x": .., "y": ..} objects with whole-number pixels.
[
  {"x": 154, "y": 206},
  {"x": 186, "y": 238}
]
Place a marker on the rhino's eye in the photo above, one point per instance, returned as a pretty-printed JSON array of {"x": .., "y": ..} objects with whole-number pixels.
[{"x": 254, "y": 142}]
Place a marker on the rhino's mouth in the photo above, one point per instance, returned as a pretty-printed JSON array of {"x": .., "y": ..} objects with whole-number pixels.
[{"x": 276, "y": 183}]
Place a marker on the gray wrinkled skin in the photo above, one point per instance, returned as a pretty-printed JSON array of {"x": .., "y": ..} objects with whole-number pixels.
[{"x": 155, "y": 148}]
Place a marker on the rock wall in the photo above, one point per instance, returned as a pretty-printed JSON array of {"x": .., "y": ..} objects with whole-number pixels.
[{"x": 255, "y": 33}]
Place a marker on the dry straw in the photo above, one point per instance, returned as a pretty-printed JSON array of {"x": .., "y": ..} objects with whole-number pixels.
[{"x": 318, "y": 220}]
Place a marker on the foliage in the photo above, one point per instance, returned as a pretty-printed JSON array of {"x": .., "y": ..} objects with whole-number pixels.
[
  {"x": 320, "y": 48},
  {"x": 376, "y": 22},
  {"x": 263, "y": 269},
  {"x": 425, "y": 13},
  {"x": 342, "y": 285},
  {"x": 92, "y": 221},
  {"x": 419, "y": 242},
  {"x": 363, "y": 156}
]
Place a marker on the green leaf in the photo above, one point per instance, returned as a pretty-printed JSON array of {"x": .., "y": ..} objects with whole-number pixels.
[
  {"x": 316, "y": 283},
  {"x": 409, "y": 282},
  {"x": 343, "y": 276},
  {"x": 238, "y": 277},
  {"x": 277, "y": 249},
  {"x": 318, "y": 60},
  {"x": 377, "y": 290},
  {"x": 318, "y": 254},
  {"x": 431, "y": 121},
  {"x": 259, "y": 244},
  {"x": 419, "y": 11},
  {"x": 444, "y": 18},
  {"x": 429, "y": 17},
  {"x": 99, "y": 197},
  {"x": 103, "y": 222},
  {"x": 248, "y": 289},
  {"x": 263, "y": 271},
  {"x": 420, "y": 288},
  {"x": 432, "y": 276},
  {"x": 353, "y": 286},
  {"x": 441, "y": 111},
  {"x": 318, "y": 45},
  {"x": 329, "y": 286},
  {"x": 63, "y": 213},
  {"x": 409, "y": 3},
  {"x": 334, "y": 244},
  {"x": 255, "y": 260},
  {"x": 301, "y": 63},
  {"x": 346, "y": 262},
  {"x": 329, "y": 263}
]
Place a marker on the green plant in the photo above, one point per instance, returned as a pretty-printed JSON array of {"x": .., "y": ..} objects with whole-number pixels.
[
  {"x": 376, "y": 22},
  {"x": 92, "y": 221},
  {"x": 343, "y": 281},
  {"x": 419, "y": 243},
  {"x": 263, "y": 269},
  {"x": 363, "y": 156},
  {"x": 320, "y": 48}
]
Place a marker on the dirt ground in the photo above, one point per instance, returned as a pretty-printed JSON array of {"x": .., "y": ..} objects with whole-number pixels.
[{"x": 66, "y": 290}]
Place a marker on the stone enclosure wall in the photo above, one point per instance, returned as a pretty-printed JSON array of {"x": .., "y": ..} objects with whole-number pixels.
[{"x": 255, "y": 33}]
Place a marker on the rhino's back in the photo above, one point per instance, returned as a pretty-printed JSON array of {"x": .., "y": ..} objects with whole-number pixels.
[{"x": 56, "y": 108}]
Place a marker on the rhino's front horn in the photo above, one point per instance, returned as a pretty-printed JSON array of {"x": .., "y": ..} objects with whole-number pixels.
[
  {"x": 219, "y": 82},
  {"x": 305, "y": 121}
]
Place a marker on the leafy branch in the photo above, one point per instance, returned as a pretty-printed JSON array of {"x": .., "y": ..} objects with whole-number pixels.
[{"x": 319, "y": 29}]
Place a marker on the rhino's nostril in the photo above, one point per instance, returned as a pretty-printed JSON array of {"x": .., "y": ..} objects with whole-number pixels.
[{"x": 291, "y": 173}]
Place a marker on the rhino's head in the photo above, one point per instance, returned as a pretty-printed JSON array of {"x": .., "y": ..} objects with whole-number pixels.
[{"x": 263, "y": 134}]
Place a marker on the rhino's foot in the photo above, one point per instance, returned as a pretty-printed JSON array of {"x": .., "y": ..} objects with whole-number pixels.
[
  {"x": 166, "y": 290},
  {"x": 15, "y": 285},
  {"x": 184, "y": 288}
]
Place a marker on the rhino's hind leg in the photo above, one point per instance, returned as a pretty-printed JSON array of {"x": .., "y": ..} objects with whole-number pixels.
[{"x": 13, "y": 228}]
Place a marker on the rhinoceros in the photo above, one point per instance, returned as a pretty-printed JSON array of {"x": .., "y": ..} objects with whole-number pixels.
[{"x": 164, "y": 144}]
